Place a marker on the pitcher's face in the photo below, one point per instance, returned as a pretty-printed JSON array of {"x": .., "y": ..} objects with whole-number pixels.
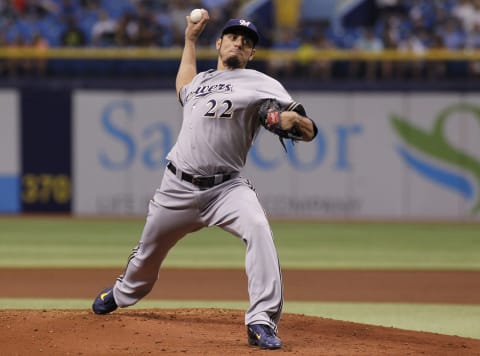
[{"x": 235, "y": 50}]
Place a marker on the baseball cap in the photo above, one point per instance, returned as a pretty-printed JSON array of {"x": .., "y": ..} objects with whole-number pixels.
[{"x": 240, "y": 24}]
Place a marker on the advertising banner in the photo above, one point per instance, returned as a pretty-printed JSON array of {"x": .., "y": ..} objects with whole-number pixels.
[
  {"x": 376, "y": 156},
  {"x": 120, "y": 143}
]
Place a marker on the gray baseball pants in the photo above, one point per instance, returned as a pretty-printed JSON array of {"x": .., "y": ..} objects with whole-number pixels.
[{"x": 178, "y": 208}]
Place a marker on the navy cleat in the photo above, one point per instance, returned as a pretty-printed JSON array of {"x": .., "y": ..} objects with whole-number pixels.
[
  {"x": 104, "y": 303},
  {"x": 263, "y": 336}
]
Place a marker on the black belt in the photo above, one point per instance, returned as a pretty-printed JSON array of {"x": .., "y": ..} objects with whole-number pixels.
[{"x": 201, "y": 181}]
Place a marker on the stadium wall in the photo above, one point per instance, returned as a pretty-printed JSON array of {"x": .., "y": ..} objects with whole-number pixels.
[{"x": 379, "y": 154}]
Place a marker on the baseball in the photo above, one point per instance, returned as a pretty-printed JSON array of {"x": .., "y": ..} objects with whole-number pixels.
[{"x": 196, "y": 15}]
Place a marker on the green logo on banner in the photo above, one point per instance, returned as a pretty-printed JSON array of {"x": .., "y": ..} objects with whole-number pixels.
[{"x": 431, "y": 155}]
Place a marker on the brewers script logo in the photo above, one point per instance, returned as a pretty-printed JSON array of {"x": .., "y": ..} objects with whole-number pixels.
[
  {"x": 430, "y": 154},
  {"x": 206, "y": 90}
]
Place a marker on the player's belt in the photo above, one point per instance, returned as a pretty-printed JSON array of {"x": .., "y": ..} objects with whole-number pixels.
[{"x": 201, "y": 181}]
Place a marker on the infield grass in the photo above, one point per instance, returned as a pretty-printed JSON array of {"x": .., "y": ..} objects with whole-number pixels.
[{"x": 63, "y": 242}]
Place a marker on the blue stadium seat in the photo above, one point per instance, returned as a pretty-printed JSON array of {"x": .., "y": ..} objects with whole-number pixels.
[
  {"x": 86, "y": 23},
  {"x": 26, "y": 28},
  {"x": 116, "y": 8},
  {"x": 51, "y": 28}
]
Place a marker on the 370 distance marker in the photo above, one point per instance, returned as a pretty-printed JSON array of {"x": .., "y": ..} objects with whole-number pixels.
[{"x": 45, "y": 188}]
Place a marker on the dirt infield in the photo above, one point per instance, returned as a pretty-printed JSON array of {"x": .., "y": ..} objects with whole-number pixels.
[{"x": 219, "y": 331}]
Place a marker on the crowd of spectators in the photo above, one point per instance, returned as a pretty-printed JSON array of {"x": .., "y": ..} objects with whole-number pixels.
[
  {"x": 99, "y": 23},
  {"x": 407, "y": 26},
  {"x": 404, "y": 25},
  {"x": 102, "y": 23}
]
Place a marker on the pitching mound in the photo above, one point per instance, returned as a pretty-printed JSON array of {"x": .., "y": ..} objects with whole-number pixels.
[{"x": 205, "y": 332}]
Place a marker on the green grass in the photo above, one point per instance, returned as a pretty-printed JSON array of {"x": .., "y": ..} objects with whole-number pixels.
[
  {"x": 60, "y": 242},
  {"x": 460, "y": 320},
  {"x": 448, "y": 319}
]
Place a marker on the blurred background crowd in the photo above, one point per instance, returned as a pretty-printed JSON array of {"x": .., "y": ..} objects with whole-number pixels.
[{"x": 302, "y": 26}]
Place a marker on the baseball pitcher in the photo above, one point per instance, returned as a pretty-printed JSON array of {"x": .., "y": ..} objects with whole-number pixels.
[{"x": 223, "y": 111}]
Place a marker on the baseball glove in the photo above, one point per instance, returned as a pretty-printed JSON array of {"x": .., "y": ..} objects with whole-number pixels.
[{"x": 269, "y": 114}]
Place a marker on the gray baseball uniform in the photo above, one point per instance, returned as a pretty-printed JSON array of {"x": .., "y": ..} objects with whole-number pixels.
[{"x": 202, "y": 187}]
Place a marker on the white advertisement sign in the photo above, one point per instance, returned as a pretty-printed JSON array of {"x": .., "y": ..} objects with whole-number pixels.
[
  {"x": 376, "y": 156},
  {"x": 10, "y": 152},
  {"x": 120, "y": 143}
]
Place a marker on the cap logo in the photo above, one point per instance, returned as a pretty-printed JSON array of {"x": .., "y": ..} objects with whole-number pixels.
[{"x": 244, "y": 23}]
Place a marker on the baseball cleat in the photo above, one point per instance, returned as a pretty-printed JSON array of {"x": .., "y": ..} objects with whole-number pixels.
[
  {"x": 263, "y": 336},
  {"x": 104, "y": 303}
]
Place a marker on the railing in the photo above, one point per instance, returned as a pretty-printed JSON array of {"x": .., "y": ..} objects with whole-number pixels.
[{"x": 262, "y": 54}]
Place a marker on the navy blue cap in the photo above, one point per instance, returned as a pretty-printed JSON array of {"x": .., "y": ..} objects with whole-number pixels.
[{"x": 239, "y": 24}]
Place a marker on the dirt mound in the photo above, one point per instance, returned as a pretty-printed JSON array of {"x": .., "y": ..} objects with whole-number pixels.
[{"x": 205, "y": 332}]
